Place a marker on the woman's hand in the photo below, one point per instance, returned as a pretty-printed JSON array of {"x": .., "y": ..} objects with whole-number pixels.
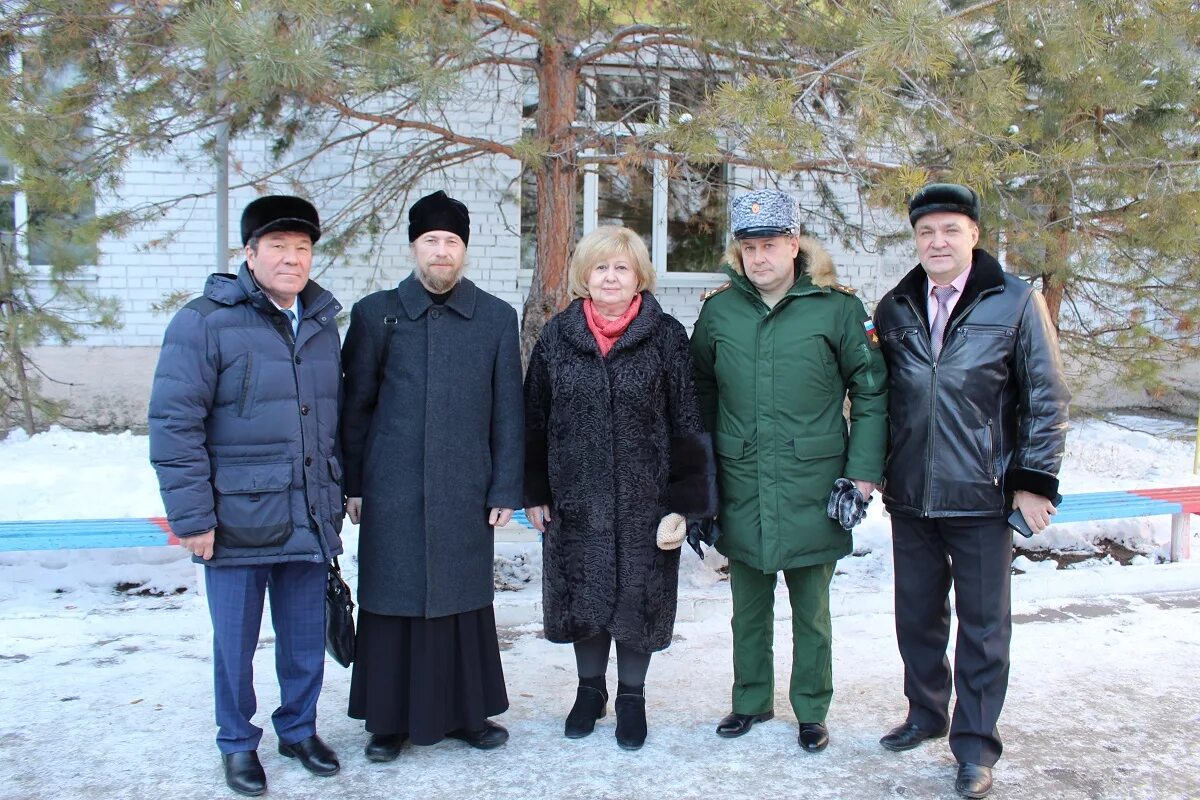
[{"x": 538, "y": 517}]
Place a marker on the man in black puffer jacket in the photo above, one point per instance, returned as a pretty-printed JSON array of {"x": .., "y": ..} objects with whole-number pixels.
[
  {"x": 978, "y": 416},
  {"x": 244, "y": 438}
]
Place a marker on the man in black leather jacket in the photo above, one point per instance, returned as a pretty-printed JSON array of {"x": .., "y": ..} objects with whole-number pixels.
[{"x": 978, "y": 416}]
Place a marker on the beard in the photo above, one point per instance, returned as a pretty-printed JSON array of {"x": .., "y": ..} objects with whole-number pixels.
[{"x": 440, "y": 281}]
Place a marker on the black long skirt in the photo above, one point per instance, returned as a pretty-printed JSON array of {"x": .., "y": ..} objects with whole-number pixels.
[{"x": 423, "y": 678}]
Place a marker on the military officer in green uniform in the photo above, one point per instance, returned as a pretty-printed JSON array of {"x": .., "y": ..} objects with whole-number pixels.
[{"x": 777, "y": 350}]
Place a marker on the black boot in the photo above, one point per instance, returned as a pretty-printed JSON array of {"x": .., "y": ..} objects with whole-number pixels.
[
  {"x": 591, "y": 701},
  {"x": 631, "y": 716}
]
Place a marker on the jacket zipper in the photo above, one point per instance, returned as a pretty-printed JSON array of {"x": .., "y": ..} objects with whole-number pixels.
[
  {"x": 933, "y": 393},
  {"x": 992, "y": 453},
  {"x": 246, "y": 378},
  {"x": 929, "y": 443}
]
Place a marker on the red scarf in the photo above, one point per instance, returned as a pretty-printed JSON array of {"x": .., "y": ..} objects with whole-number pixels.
[{"x": 607, "y": 331}]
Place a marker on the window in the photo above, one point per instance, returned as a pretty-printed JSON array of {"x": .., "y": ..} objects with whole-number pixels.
[
  {"x": 8, "y": 203},
  {"x": 624, "y": 194},
  {"x": 48, "y": 229},
  {"x": 697, "y": 217},
  {"x": 680, "y": 209},
  {"x": 58, "y": 236},
  {"x": 630, "y": 99}
]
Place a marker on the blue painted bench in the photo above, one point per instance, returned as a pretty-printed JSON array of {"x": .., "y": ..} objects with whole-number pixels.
[
  {"x": 1179, "y": 502},
  {"x": 87, "y": 534}
]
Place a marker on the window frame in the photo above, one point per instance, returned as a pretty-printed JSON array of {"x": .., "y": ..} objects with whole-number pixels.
[{"x": 660, "y": 180}]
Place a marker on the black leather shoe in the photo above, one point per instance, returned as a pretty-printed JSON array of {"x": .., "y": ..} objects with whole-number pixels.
[
  {"x": 735, "y": 724},
  {"x": 489, "y": 736},
  {"x": 244, "y": 774},
  {"x": 316, "y": 756},
  {"x": 974, "y": 780},
  {"x": 814, "y": 736},
  {"x": 590, "y": 705},
  {"x": 907, "y": 736},
  {"x": 631, "y": 720},
  {"x": 384, "y": 747}
]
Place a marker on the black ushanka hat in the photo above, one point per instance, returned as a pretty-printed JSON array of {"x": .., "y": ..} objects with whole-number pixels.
[
  {"x": 279, "y": 212},
  {"x": 943, "y": 197}
]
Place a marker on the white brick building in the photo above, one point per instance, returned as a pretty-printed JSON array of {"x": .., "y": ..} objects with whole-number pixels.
[{"x": 110, "y": 372}]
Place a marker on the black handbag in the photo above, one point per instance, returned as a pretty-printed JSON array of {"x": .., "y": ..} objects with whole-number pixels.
[{"x": 339, "y": 617}]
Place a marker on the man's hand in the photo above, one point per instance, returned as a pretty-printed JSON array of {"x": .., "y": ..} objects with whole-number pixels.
[
  {"x": 201, "y": 544},
  {"x": 499, "y": 517},
  {"x": 538, "y": 516},
  {"x": 1036, "y": 509},
  {"x": 866, "y": 487},
  {"x": 354, "y": 508}
]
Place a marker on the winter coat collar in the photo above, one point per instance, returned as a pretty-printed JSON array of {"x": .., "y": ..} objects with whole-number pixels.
[
  {"x": 416, "y": 300},
  {"x": 987, "y": 276},
  {"x": 229, "y": 290},
  {"x": 575, "y": 329}
]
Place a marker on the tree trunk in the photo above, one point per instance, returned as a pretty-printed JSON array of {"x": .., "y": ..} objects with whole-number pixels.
[
  {"x": 14, "y": 351},
  {"x": 558, "y": 81},
  {"x": 1052, "y": 280}
]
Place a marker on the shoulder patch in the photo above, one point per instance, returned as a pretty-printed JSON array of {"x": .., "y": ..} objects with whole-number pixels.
[
  {"x": 715, "y": 291},
  {"x": 872, "y": 334},
  {"x": 850, "y": 290}
]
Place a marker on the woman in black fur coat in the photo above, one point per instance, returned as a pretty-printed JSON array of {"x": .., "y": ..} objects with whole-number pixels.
[{"x": 616, "y": 460}]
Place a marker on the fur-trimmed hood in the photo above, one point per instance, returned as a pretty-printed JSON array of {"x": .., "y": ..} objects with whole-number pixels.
[{"x": 813, "y": 258}]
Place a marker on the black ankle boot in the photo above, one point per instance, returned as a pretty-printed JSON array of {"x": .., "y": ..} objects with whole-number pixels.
[
  {"x": 631, "y": 716},
  {"x": 591, "y": 700}
]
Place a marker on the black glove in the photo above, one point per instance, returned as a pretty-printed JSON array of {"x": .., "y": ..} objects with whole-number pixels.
[
  {"x": 702, "y": 530},
  {"x": 846, "y": 504}
]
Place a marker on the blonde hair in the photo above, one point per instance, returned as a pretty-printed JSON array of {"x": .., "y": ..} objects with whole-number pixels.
[{"x": 605, "y": 242}]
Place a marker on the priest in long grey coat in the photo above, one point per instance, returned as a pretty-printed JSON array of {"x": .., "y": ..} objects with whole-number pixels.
[{"x": 433, "y": 439}]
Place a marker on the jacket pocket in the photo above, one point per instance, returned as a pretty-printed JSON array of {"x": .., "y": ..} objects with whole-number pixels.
[
  {"x": 253, "y": 504},
  {"x": 819, "y": 462},
  {"x": 827, "y": 446},
  {"x": 337, "y": 502},
  {"x": 729, "y": 446}
]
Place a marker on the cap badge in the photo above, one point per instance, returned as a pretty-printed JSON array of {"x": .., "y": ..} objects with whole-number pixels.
[{"x": 755, "y": 208}]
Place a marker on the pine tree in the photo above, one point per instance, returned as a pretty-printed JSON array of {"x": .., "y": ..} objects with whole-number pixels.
[
  {"x": 1077, "y": 119},
  {"x": 48, "y": 162},
  {"x": 1080, "y": 123}
]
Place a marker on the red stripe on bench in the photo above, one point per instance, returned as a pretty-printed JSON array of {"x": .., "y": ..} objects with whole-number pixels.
[
  {"x": 1186, "y": 496},
  {"x": 166, "y": 527}
]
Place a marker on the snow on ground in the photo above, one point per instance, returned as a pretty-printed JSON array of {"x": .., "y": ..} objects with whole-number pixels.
[{"x": 106, "y": 692}]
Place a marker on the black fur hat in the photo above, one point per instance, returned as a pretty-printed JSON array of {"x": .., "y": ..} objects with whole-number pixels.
[
  {"x": 439, "y": 212},
  {"x": 280, "y": 212},
  {"x": 943, "y": 197}
]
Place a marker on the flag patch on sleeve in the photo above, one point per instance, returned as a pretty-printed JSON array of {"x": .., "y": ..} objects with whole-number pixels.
[{"x": 872, "y": 336}]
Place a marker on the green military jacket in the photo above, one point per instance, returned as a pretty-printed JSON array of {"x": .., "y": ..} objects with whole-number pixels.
[{"x": 772, "y": 385}]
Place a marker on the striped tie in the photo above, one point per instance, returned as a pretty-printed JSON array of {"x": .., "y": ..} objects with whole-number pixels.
[
  {"x": 937, "y": 330},
  {"x": 291, "y": 315}
]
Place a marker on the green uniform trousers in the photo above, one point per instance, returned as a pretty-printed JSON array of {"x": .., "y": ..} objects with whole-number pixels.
[{"x": 753, "y": 624}]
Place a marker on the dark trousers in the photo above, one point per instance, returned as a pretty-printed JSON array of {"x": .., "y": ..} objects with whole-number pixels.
[
  {"x": 975, "y": 554},
  {"x": 235, "y": 603},
  {"x": 811, "y": 687}
]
